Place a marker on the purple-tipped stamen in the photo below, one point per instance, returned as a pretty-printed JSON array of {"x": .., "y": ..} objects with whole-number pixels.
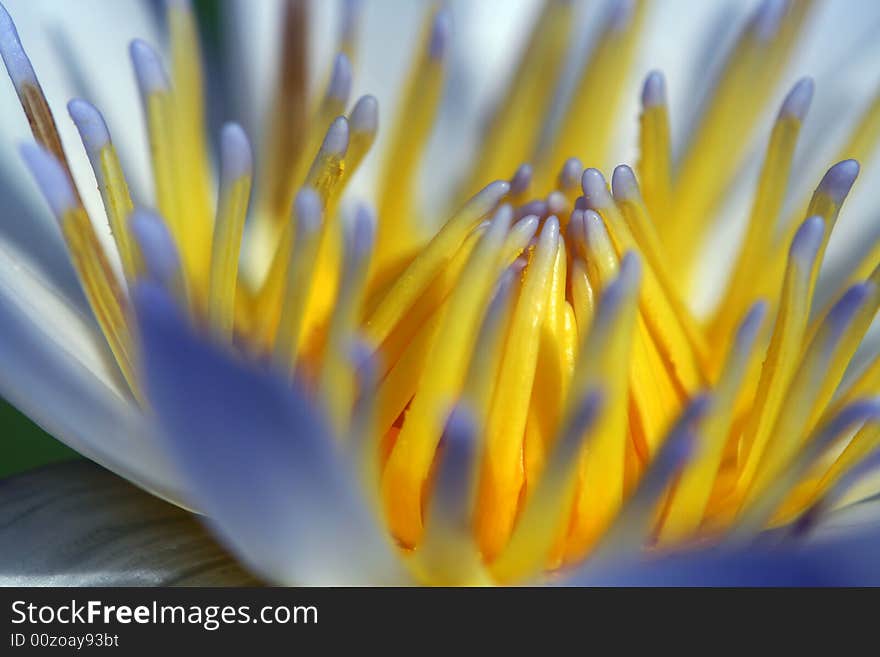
[
  {"x": 235, "y": 153},
  {"x": 768, "y": 18},
  {"x": 157, "y": 247},
  {"x": 441, "y": 34},
  {"x": 18, "y": 65},
  {"x": 839, "y": 179},
  {"x": 807, "y": 240},
  {"x": 51, "y": 178},
  {"x": 571, "y": 172},
  {"x": 336, "y": 140},
  {"x": 595, "y": 189},
  {"x": 148, "y": 68},
  {"x": 654, "y": 90},
  {"x": 521, "y": 179},
  {"x": 340, "y": 79},
  {"x": 307, "y": 208},
  {"x": 365, "y": 115},
  {"x": 624, "y": 185},
  {"x": 797, "y": 102},
  {"x": 360, "y": 232},
  {"x": 748, "y": 329}
]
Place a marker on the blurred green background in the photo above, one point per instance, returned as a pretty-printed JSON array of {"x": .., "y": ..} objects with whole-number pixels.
[{"x": 23, "y": 445}]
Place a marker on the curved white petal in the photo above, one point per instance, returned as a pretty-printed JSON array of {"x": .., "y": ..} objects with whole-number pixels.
[
  {"x": 263, "y": 464},
  {"x": 57, "y": 369}
]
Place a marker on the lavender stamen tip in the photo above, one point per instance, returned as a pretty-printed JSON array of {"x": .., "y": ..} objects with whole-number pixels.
[
  {"x": 360, "y": 230},
  {"x": 797, "y": 102},
  {"x": 654, "y": 90},
  {"x": 571, "y": 173},
  {"x": 839, "y": 179},
  {"x": 808, "y": 239},
  {"x": 90, "y": 124},
  {"x": 595, "y": 189},
  {"x": 341, "y": 78},
  {"x": 441, "y": 34},
  {"x": 307, "y": 207},
  {"x": 336, "y": 140},
  {"x": 521, "y": 180},
  {"x": 148, "y": 68},
  {"x": 156, "y": 245},
  {"x": 236, "y": 156},
  {"x": 365, "y": 115},
  {"x": 17, "y": 63},
  {"x": 623, "y": 183}
]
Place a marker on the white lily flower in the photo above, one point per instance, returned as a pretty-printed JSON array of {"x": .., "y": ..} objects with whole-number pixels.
[{"x": 544, "y": 378}]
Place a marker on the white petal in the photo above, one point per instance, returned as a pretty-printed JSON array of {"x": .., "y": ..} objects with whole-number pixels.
[
  {"x": 264, "y": 466},
  {"x": 57, "y": 369}
]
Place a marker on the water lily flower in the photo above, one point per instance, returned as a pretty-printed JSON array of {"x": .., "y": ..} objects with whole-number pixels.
[{"x": 507, "y": 367}]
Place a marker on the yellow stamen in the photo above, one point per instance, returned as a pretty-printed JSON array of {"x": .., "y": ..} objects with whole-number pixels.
[
  {"x": 232, "y": 205},
  {"x": 758, "y": 244},
  {"x": 400, "y": 231},
  {"x": 720, "y": 141},
  {"x": 600, "y": 485},
  {"x": 655, "y": 150},
  {"x": 445, "y": 366},
  {"x": 301, "y": 258},
  {"x": 337, "y": 384},
  {"x": 191, "y": 150},
  {"x": 502, "y": 474},
  {"x": 528, "y": 94},
  {"x": 586, "y": 128},
  {"x": 436, "y": 254},
  {"x": 691, "y": 493},
  {"x": 785, "y": 347}
]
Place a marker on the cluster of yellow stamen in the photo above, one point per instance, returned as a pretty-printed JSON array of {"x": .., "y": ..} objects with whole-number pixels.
[{"x": 559, "y": 322}]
